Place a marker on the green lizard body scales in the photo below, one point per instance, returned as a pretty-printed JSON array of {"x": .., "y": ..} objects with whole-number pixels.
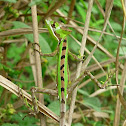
[
  {"x": 59, "y": 34},
  {"x": 62, "y": 75}
]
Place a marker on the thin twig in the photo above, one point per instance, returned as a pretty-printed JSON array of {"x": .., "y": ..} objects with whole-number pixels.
[
  {"x": 122, "y": 82},
  {"x": 103, "y": 13},
  {"x": 118, "y": 104},
  {"x": 19, "y": 31},
  {"x": 13, "y": 88},
  {"x": 124, "y": 8},
  {"x": 53, "y": 9},
  {"x": 97, "y": 77},
  {"x": 48, "y": 91},
  {"x": 71, "y": 10},
  {"x": 117, "y": 55},
  {"x": 90, "y": 38},
  {"x": 85, "y": 32},
  {"x": 87, "y": 51},
  {"x": 92, "y": 52}
]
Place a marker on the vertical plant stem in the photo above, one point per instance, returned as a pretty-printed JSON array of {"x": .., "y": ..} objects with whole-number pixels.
[
  {"x": 118, "y": 104},
  {"x": 37, "y": 59},
  {"x": 72, "y": 4},
  {"x": 2, "y": 72},
  {"x": 118, "y": 49},
  {"x": 123, "y": 79},
  {"x": 74, "y": 93},
  {"x": 54, "y": 8}
]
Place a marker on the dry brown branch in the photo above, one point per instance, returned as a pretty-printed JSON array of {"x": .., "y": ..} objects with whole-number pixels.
[
  {"x": 100, "y": 91},
  {"x": 122, "y": 82},
  {"x": 94, "y": 30},
  {"x": 15, "y": 90},
  {"x": 92, "y": 40},
  {"x": 112, "y": 60},
  {"x": 32, "y": 61},
  {"x": 20, "y": 31},
  {"x": 96, "y": 66},
  {"x": 14, "y": 41},
  {"x": 118, "y": 104},
  {"x": 117, "y": 55},
  {"x": 48, "y": 91},
  {"x": 22, "y": 81},
  {"x": 71, "y": 9},
  {"x": 105, "y": 25},
  {"x": 124, "y": 123},
  {"x": 87, "y": 81},
  {"x": 93, "y": 78},
  {"x": 124, "y": 8},
  {"x": 53, "y": 9},
  {"x": 37, "y": 59},
  {"x": 10, "y": 38},
  {"x": 109, "y": 5},
  {"x": 87, "y": 51},
  {"x": 103, "y": 13},
  {"x": 85, "y": 32}
]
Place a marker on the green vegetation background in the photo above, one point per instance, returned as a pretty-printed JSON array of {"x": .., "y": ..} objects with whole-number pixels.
[{"x": 11, "y": 117}]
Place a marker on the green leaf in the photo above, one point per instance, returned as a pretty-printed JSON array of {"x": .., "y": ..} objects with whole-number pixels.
[
  {"x": 55, "y": 107},
  {"x": 24, "y": 122},
  {"x": 73, "y": 46},
  {"x": 93, "y": 102},
  {"x": 118, "y": 3},
  {"x": 98, "y": 123},
  {"x": 18, "y": 24},
  {"x": 45, "y": 48},
  {"x": 116, "y": 26},
  {"x": 81, "y": 11},
  {"x": 83, "y": 92},
  {"x": 97, "y": 23},
  {"x": 15, "y": 53},
  {"x": 85, "y": 5},
  {"x": 11, "y": 72}
]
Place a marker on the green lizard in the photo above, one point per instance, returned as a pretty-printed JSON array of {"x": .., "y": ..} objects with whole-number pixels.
[{"x": 59, "y": 34}]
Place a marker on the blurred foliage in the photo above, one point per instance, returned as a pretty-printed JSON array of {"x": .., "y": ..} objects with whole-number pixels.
[
  {"x": 11, "y": 117},
  {"x": 6, "y": 113},
  {"x": 24, "y": 121}
]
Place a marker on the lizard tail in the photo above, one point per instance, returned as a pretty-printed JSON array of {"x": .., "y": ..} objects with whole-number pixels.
[{"x": 63, "y": 89}]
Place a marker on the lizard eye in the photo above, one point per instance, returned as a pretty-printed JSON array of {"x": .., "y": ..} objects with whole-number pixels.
[{"x": 53, "y": 25}]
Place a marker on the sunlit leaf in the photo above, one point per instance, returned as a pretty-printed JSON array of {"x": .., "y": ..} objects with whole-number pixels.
[{"x": 93, "y": 102}]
